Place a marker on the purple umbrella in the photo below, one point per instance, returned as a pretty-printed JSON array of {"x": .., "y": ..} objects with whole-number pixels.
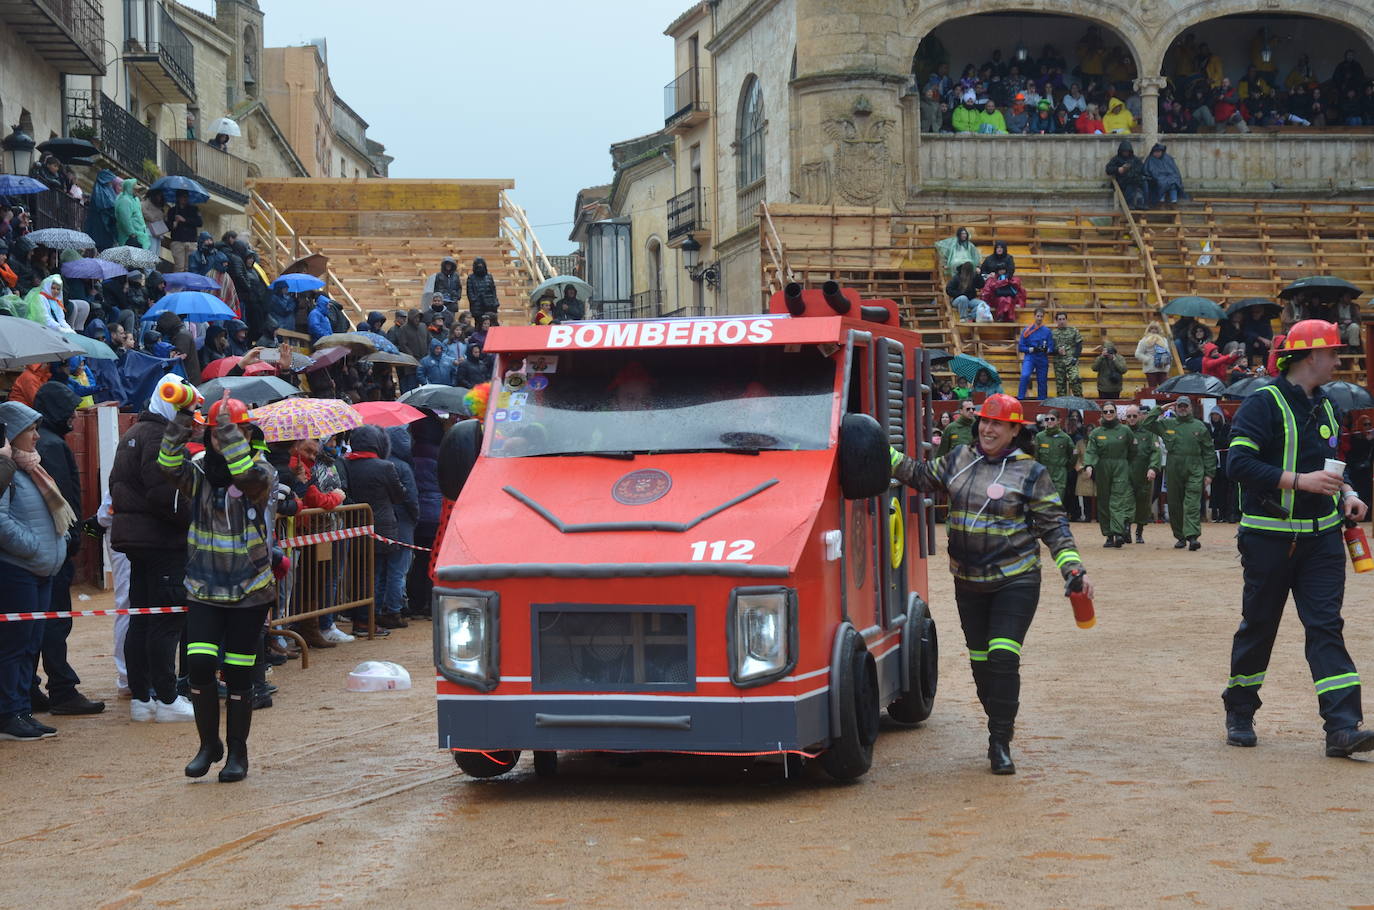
[
  {"x": 97, "y": 269},
  {"x": 190, "y": 281},
  {"x": 327, "y": 357}
]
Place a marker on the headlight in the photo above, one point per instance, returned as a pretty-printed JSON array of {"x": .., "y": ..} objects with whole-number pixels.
[
  {"x": 762, "y": 634},
  {"x": 465, "y": 637}
]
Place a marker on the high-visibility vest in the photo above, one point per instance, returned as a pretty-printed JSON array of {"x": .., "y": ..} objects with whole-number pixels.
[{"x": 1290, "y": 463}]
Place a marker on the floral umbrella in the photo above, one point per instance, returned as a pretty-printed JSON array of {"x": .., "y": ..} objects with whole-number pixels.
[
  {"x": 305, "y": 418},
  {"x": 131, "y": 257}
]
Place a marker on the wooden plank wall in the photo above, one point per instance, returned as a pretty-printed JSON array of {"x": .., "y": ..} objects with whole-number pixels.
[{"x": 333, "y": 207}]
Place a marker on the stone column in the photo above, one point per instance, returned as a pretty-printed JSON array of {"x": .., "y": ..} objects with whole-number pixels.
[{"x": 1148, "y": 87}]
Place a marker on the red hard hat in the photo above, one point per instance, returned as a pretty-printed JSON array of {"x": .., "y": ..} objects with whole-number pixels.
[
  {"x": 1002, "y": 407},
  {"x": 238, "y": 412},
  {"x": 1311, "y": 334}
]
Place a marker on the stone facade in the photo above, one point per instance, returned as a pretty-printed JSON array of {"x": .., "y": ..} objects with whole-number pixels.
[{"x": 295, "y": 84}]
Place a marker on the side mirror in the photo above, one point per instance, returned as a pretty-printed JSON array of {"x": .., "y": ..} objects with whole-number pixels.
[
  {"x": 865, "y": 465},
  {"x": 457, "y": 455}
]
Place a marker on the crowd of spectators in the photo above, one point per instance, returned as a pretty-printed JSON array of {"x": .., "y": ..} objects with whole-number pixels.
[{"x": 1094, "y": 91}]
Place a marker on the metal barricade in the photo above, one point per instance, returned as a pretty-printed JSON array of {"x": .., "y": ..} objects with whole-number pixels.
[{"x": 332, "y": 568}]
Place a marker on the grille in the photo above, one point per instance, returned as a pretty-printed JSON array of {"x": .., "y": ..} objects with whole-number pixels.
[{"x": 620, "y": 650}]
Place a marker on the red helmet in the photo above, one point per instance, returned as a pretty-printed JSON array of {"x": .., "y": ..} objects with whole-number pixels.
[
  {"x": 1002, "y": 407},
  {"x": 1311, "y": 334},
  {"x": 238, "y": 412}
]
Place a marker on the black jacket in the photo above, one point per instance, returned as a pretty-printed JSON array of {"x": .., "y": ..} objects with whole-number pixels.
[
  {"x": 375, "y": 481},
  {"x": 481, "y": 291},
  {"x": 57, "y": 404},
  {"x": 1135, "y": 170},
  {"x": 189, "y": 230},
  {"x": 995, "y": 263},
  {"x": 472, "y": 370},
  {"x": 569, "y": 309},
  {"x": 447, "y": 282},
  {"x": 149, "y": 513}
]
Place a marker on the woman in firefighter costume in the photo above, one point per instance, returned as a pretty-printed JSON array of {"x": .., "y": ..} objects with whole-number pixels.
[{"x": 1002, "y": 504}]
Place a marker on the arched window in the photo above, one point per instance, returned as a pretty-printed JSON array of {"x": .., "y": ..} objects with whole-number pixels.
[
  {"x": 750, "y": 134},
  {"x": 655, "y": 266}
]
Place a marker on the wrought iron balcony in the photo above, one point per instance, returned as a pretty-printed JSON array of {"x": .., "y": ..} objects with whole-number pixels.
[
  {"x": 683, "y": 101},
  {"x": 157, "y": 49},
  {"x": 69, "y": 34},
  {"x": 55, "y": 209},
  {"x": 219, "y": 172},
  {"x": 647, "y": 304},
  {"x": 686, "y": 214},
  {"x": 124, "y": 139}
]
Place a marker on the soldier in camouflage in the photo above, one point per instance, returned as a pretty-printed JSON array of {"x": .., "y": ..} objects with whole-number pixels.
[{"x": 1068, "y": 345}]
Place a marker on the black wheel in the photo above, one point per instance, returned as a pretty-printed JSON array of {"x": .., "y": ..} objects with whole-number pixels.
[
  {"x": 487, "y": 764},
  {"x": 457, "y": 455},
  {"x": 855, "y": 676},
  {"x": 545, "y": 763},
  {"x": 921, "y": 651}
]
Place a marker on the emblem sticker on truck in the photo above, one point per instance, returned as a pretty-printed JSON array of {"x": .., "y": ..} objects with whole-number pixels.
[{"x": 639, "y": 488}]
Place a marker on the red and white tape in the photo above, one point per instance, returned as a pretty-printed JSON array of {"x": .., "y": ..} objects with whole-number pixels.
[
  {"x": 306, "y": 540},
  {"x": 68, "y": 614},
  {"x": 399, "y": 543}
]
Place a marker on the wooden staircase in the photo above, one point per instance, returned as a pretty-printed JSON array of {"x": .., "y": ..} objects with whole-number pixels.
[{"x": 384, "y": 238}]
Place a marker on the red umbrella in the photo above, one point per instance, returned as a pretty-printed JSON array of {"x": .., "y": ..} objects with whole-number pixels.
[
  {"x": 218, "y": 369},
  {"x": 388, "y": 413}
]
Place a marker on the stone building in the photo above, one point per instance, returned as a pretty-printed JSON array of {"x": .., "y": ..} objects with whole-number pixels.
[
  {"x": 326, "y": 133},
  {"x": 817, "y": 101}
]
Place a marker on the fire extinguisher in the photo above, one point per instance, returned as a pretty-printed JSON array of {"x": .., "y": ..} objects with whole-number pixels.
[
  {"x": 1082, "y": 604},
  {"x": 1358, "y": 545}
]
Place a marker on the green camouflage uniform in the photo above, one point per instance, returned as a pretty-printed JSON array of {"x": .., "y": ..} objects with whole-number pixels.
[
  {"x": 1108, "y": 453},
  {"x": 1146, "y": 457},
  {"x": 958, "y": 433},
  {"x": 1067, "y": 342},
  {"x": 1054, "y": 449},
  {"x": 1192, "y": 456}
]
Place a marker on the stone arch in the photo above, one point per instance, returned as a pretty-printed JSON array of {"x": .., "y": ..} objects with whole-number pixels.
[
  {"x": 1352, "y": 15},
  {"x": 1131, "y": 22}
]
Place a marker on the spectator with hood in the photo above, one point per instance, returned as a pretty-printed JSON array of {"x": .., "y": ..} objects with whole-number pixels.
[
  {"x": 100, "y": 210},
  {"x": 318, "y": 322},
  {"x": 999, "y": 261},
  {"x": 239, "y": 342},
  {"x": 411, "y": 338},
  {"x": 425, "y": 435},
  {"x": 1165, "y": 181},
  {"x": 371, "y": 479},
  {"x": 1118, "y": 119},
  {"x": 474, "y": 369},
  {"x": 437, "y": 367},
  {"x": 1125, "y": 168},
  {"x": 180, "y": 337},
  {"x": 375, "y": 321},
  {"x": 447, "y": 283},
  {"x": 215, "y": 345},
  {"x": 281, "y": 303},
  {"x": 206, "y": 258},
  {"x": 570, "y": 308},
  {"x": 481, "y": 291},
  {"x": 130, "y": 228}
]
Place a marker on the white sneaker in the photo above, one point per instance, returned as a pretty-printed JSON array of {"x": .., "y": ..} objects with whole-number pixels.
[
  {"x": 142, "y": 712},
  {"x": 179, "y": 710},
  {"x": 334, "y": 633}
]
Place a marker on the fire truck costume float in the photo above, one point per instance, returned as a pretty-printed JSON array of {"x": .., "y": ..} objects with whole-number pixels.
[
  {"x": 230, "y": 584},
  {"x": 1002, "y": 504},
  {"x": 1290, "y": 537}
]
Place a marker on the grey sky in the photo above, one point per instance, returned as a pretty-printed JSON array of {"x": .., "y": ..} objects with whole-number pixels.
[{"x": 535, "y": 90}]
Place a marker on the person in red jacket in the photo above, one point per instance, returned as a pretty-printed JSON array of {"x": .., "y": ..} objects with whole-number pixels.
[{"x": 1215, "y": 363}]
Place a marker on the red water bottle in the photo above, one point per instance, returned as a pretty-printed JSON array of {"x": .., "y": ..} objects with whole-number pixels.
[
  {"x": 1358, "y": 545},
  {"x": 1082, "y": 604}
]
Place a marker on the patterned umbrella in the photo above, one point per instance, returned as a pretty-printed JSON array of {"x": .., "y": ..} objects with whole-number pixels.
[
  {"x": 388, "y": 413},
  {"x": 253, "y": 391},
  {"x": 352, "y": 340},
  {"x": 97, "y": 269},
  {"x": 1071, "y": 403},
  {"x": 382, "y": 342},
  {"x": 61, "y": 239},
  {"x": 967, "y": 366},
  {"x": 404, "y": 360},
  {"x": 131, "y": 257},
  {"x": 305, "y": 418},
  {"x": 190, "y": 281}
]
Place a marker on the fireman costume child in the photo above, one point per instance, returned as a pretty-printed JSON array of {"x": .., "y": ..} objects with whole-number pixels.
[
  {"x": 230, "y": 584},
  {"x": 1002, "y": 505},
  {"x": 1290, "y": 538}
]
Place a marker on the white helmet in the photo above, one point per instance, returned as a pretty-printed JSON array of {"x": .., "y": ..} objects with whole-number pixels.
[{"x": 378, "y": 676}]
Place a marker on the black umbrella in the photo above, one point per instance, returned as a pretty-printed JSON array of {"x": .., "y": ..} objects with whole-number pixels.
[
  {"x": 1326, "y": 287},
  {"x": 1192, "y": 384},
  {"x": 1243, "y": 388},
  {"x": 937, "y": 356},
  {"x": 436, "y": 397},
  {"x": 69, "y": 150},
  {"x": 254, "y": 391},
  {"x": 1071, "y": 402},
  {"x": 1347, "y": 396},
  {"x": 1197, "y": 307},
  {"x": 1251, "y": 302}
]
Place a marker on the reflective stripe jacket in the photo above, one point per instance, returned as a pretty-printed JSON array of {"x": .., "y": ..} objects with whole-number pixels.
[
  {"x": 1278, "y": 428},
  {"x": 992, "y": 538}
]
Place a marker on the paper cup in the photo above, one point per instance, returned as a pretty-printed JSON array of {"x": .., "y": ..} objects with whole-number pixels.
[{"x": 1334, "y": 466}]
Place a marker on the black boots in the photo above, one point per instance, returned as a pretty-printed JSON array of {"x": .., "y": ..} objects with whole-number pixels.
[
  {"x": 1116, "y": 540},
  {"x": 206, "y": 703},
  {"x": 239, "y": 716},
  {"x": 1001, "y": 726},
  {"x": 1240, "y": 730},
  {"x": 1180, "y": 544},
  {"x": 1344, "y": 743},
  {"x": 1139, "y": 533},
  {"x": 999, "y": 756},
  {"x": 1193, "y": 544}
]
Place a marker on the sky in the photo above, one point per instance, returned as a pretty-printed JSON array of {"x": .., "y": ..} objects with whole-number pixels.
[{"x": 533, "y": 90}]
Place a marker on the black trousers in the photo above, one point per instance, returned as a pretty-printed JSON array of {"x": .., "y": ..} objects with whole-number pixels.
[
  {"x": 1315, "y": 573},
  {"x": 230, "y": 632},
  {"x": 418, "y": 583},
  {"x": 995, "y": 619},
  {"x": 153, "y": 642},
  {"x": 62, "y": 679}
]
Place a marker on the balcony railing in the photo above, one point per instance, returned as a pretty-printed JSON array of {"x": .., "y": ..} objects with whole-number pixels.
[
  {"x": 67, "y": 33},
  {"x": 647, "y": 304},
  {"x": 352, "y": 129},
  {"x": 219, "y": 172},
  {"x": 124, "y": 140},
  {"x": 55, "y": 209},
  {"x": 685, "y": 213},
  {"x": 683, "y": 96},
  {"x": 157, "y": 48}
]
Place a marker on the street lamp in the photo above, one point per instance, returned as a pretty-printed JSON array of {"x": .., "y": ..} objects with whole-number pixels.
[
  {"x": 18, "y": 147},
  {"x": 691, "y": 254}
]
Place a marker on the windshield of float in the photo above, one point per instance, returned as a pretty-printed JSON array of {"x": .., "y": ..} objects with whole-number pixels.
[{"x": 621, "y": 403}]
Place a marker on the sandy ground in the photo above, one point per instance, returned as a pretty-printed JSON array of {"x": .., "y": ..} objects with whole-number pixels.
[{"x": 1126, "y": 796}]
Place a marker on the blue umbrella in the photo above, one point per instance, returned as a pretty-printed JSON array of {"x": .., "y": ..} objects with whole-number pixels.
[
  {"x": 190, "y": 281},
  {"x": 382, "y": 342},
  {"x": 194, "y": 306},
  {"x": 98, "y": 269},
  {"x": 170, "y": 186},
  {"x": 14, "y": 185},
  {"x": 297, "y": 282}
]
